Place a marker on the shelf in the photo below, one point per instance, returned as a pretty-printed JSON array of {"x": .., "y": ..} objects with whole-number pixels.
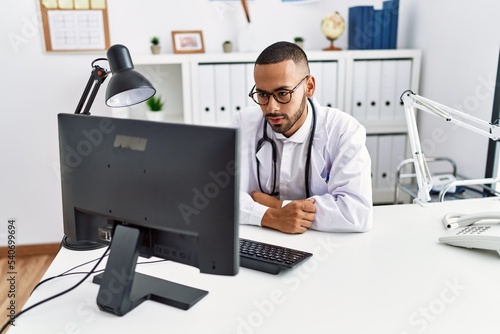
[
  {"x": 210, "y": 88},
  {"x": 385, "y": 127}
]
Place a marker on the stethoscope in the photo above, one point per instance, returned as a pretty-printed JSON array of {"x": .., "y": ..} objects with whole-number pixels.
[{"x": 265, "y": 138}]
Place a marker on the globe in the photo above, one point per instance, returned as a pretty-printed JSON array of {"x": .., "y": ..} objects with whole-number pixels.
[{"x": 332, "y": 26}]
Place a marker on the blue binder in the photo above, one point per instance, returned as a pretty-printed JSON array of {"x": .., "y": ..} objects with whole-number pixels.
[
  {"x": 390, "y": 30},
  {"x": 359, "y": 38}
]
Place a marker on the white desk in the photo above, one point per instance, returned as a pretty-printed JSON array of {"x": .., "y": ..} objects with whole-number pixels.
[{"x": 396, "y": 278}]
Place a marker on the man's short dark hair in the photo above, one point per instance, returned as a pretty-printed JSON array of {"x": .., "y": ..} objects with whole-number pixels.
[{"x": 281, "y": 51}]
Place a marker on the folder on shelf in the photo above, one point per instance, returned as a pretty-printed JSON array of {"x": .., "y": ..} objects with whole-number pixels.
[
  {"x": 325, "y": 73},
  {"x": 330, "y": 85},
  {"x": 359, "y": 85},
  {"x": 249, "y": 82},
  {"x": 377, "y": 30},
  {"x": 390, "y": 153},
  {"x": 370, "y": 28},
  {"x": 222, "y": 96},
  {"x": 372, "y": 147},
  {"x": 390, "y": 30},
  {"x": 373, "y": 81},
  {"x": 238, "y": 88},
  {"x": 388, "y": 92},
  {"x": 317, "y": 71},
  {"x": 403, "y": 82},
  {"x": 206, "y": 111},
  {"x": 359, "y": 38}
]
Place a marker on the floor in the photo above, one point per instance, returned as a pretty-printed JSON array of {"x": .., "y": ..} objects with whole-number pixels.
[{"x": 29, "y": 269}]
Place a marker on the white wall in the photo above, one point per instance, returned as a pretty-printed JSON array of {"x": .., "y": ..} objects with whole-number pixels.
[
  {"x": 459, "y": 51},
  {"x": 460, "y": 42}
]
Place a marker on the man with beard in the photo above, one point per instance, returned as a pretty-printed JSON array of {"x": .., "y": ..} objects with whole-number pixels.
[{"x": 301, "y": 165}]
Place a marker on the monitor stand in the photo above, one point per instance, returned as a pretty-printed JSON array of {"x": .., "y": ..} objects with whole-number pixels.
[{"x": 122, "y": 289}]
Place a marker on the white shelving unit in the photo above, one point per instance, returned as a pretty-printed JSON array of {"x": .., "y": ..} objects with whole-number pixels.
[{"x": 209, "y": 89}]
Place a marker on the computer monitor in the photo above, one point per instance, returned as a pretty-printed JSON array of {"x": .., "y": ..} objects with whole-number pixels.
[{"x": 150, "y": 189}]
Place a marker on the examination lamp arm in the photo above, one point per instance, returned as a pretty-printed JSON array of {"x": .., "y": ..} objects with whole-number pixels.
[{"x": 412, "y": 102}]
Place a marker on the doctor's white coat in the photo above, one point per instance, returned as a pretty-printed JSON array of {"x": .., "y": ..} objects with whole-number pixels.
[{"x": 340, "y": 178}]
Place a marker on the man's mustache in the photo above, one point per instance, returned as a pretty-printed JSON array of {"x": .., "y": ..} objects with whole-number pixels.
[{"x": 275, "y": 115}]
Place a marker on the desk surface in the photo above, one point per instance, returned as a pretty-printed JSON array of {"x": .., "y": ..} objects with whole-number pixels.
[{"x": 396, "y": 278}]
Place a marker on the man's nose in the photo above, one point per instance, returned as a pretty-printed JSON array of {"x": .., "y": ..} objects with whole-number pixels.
[{"x": 272, "y": 105}]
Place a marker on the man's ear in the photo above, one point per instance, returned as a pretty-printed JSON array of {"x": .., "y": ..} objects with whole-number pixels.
[{"x": 310, "y": 86}]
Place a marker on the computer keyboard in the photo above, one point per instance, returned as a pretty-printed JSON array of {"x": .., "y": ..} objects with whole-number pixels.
[{"x": 269, "y": 258}]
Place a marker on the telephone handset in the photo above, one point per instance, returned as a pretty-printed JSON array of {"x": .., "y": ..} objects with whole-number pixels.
[
  {"x": 466, "y": 220},
  {"x": 485, "y": 235}
]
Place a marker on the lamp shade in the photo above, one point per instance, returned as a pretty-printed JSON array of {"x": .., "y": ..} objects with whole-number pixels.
[{"x": 126, "y": 86}]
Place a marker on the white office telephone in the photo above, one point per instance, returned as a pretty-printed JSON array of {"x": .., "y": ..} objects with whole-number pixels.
[{"x": 465, "y": 233}]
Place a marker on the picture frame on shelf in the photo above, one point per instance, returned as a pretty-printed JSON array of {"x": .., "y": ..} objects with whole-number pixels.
[{"x": 188, "y": 41}]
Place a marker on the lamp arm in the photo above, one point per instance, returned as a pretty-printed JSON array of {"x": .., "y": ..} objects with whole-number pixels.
[
  {"x": 458, "y": 117},
  {"x": 412, "y": 102},
  {"x": 97, "y": 77},
  {"x": 424, "y": 180}
]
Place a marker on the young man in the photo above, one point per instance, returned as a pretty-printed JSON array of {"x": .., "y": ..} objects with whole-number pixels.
[{"x": 302, "y": 165}]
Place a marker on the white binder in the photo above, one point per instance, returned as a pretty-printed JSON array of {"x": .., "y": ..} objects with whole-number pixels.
[
  {"x": 374, "y": 79},
  {"x": 250, "y": 82},
  {"x": 316, "y": 70},
  {"x": 388, "y": 99},
  {"x": 398, "y": 153},
  {"x": 206, "y": 112},
  {"x": 238, "y": 88},
  {"x": 222, "y": 96},
  {"x": 372, "y": 146},
  {"x": 358, "y": 104},
  {"x": 384, "y": 161},
  {"x": 391, "y": 151},
  {"x": 403, "y": 82},
  {"x": 329, "y": 84}
]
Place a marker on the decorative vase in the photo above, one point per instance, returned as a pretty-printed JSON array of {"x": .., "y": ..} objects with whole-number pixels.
[
  {"x": 120, "y": 112},
  {"x": 155, "y": 49},
  {"x": 227, "y": 47},
  {"x": 156, "y": 116}
]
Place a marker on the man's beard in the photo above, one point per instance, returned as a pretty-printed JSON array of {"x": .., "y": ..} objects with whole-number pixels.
[{"x": 288, "y": 121}]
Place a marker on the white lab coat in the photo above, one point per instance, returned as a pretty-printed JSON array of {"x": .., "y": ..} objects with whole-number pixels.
[{"x": 339, "y": 155}]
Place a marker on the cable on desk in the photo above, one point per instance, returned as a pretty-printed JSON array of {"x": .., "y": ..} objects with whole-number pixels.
[
  {"x": 56, "y": 295},
  {"x": 68, "y": 272}
]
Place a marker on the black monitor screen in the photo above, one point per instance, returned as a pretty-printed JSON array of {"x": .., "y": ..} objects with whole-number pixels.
[{"x": 150, "y": 189}]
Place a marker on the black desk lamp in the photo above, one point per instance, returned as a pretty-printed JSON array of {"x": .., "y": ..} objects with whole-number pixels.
[{"x": 126, "y": 86}]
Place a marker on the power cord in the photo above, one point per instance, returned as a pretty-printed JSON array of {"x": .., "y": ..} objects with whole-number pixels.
[
  {"x": 67, "y": 273},
  {"x": 56, "y": 295}
]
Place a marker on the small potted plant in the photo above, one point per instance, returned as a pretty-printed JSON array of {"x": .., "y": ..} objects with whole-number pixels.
[
  {"x": 155, "y": 108},
  {"x": 155, "y": 45},
  {"x": 299, "y": 41},
  {"x": 227, "y": 46}
]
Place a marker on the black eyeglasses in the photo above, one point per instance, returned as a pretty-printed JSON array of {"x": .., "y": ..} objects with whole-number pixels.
[{"x": 282, "y": 96}]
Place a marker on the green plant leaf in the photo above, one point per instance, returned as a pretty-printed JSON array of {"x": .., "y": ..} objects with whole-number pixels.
[{"x": 155, "y": 103}]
